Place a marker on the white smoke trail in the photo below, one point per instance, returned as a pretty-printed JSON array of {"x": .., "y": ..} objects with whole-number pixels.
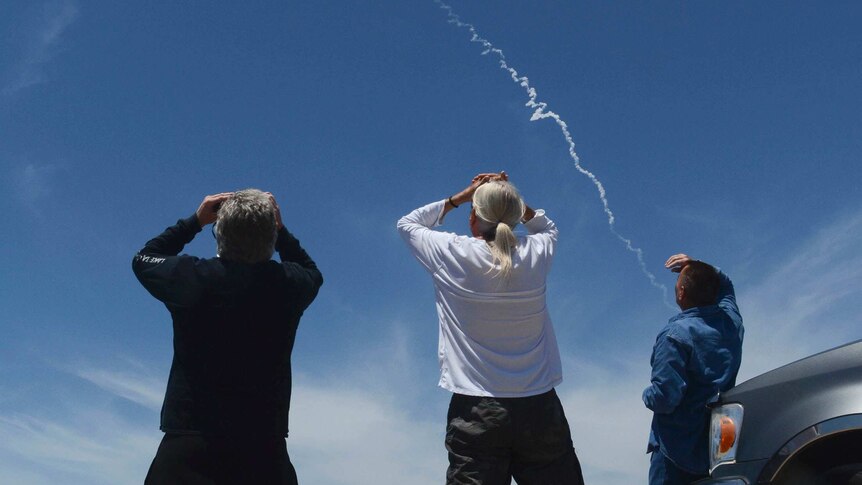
[{"x": 541, "y": 112}]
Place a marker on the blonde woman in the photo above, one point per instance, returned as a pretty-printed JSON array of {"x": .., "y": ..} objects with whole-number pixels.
[{"x": 497, "y": 350}]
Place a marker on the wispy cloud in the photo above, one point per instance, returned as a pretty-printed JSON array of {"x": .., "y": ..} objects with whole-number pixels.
[
  {"x": 337, "y": 431},
  {"x": 610, "y": 424},
  {"x": 139, "y": 387},
  {"x": 807, "y": 303},
  {"x": 85, "y": 447},
  {"x": 35, "y": 182},
  {"x": 84, "y": 437},
  {"x": 379, "y": 412},
  {"x": 42, "y": 46},
  {"x": 338, "y": 426}
]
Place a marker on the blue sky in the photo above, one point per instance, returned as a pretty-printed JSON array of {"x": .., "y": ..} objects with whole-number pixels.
[{"x": 730, "y": 131}]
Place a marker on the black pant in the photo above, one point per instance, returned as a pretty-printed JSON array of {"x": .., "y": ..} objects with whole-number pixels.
[
  {"x": 207, "y": 460},
  {"x": 491, "y": 440}
]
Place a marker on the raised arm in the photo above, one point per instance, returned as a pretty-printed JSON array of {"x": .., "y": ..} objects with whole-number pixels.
[
  {"x": 677, "y": 262},
  {"x": 173, "y": 239},
  {"x": 466, "y": 195},
  {"x": 297, "y": 264},
  {"x": 157, "y": 265},
  {"x": 726, "y": 299},
  {"x": 415, "y": 230},
  {"x": 416, "y": 227}
]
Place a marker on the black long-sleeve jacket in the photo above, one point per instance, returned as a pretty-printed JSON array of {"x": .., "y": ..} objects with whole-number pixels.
[{"x": 234, "y": 328}]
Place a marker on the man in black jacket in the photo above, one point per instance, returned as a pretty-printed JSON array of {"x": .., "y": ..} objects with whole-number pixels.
[{"x": 225, "y": 413}]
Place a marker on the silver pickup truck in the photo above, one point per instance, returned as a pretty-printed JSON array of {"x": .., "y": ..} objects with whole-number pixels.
[{"x": 800, "y": 424}]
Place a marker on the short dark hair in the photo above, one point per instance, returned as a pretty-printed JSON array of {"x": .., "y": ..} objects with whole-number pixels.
[{"x": 701, "y": 283}]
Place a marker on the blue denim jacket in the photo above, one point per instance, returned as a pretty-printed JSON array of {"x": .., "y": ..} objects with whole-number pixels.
[{"x": 696, "y": 356}]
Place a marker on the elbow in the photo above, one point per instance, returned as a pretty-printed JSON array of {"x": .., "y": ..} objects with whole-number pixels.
[
  {"x": 406, "y": 229},
  {"x": 314, "y": 278},
  {"x": 402, "y": 225}
]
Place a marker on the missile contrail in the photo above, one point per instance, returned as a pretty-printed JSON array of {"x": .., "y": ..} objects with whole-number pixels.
[{"x": 541, "y": 112}]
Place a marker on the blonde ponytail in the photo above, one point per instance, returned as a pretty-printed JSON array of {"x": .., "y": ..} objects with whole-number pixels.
[
  {"x": 501, "y": 248},
  {"x": 500, "y": 207}
]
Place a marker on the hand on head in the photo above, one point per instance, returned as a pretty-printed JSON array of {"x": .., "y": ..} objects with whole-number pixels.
[
  {"x": 484, "y": 178},
  {"x": 207, "y": 213},
  {"x": 466, "y": 195},
  {"x": 489, "y": 177},
  {"x": 677, "y": 262},
  {"x": 279, "y": 224}
]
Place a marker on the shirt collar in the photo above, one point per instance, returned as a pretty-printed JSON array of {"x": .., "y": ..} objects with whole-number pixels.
[{"x": 698, "y": 311}]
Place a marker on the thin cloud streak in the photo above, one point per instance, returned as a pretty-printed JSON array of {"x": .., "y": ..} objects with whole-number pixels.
[
  {"x": 818, "y": 287},
  {"x": 42, "y": 48},
  {"x": 86, "y": 448},
  {"x": 337, "y": 428},
  {"x": 146, "y": 390}
]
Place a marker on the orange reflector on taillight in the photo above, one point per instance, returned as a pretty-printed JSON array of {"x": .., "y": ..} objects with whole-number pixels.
[{"x": 728, "y": 434}]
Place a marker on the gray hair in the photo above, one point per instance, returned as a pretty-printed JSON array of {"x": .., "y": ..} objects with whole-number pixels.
[
  {"x": 246, "y": 227},
  {"x": 499, "y": 208}
]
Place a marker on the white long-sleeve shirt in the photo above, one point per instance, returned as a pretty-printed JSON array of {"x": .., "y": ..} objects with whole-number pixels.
[{"x": 496, "y": 338}]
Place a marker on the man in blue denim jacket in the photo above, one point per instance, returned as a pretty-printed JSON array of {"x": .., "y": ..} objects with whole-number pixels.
[{"x": 696, "y": 356}]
